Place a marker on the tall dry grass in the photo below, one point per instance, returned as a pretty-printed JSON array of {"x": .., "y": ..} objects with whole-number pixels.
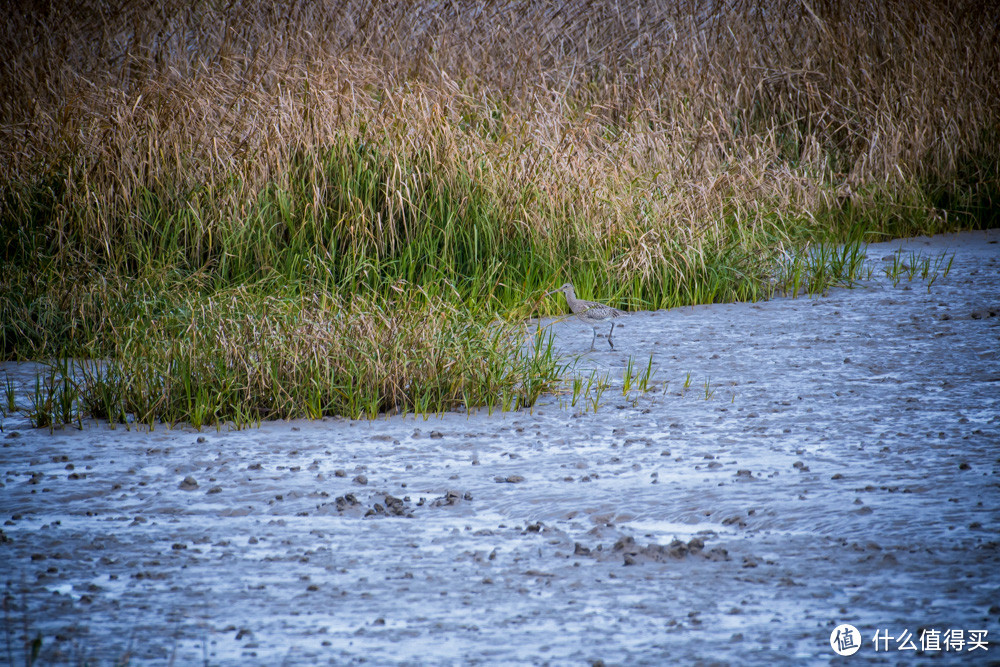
[{"x": 658, "y": 116}]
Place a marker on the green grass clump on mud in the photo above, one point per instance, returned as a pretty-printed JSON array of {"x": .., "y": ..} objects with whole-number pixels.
[
  {"x": 348, "y": 211},
  {"x": 242, "y": 359}
]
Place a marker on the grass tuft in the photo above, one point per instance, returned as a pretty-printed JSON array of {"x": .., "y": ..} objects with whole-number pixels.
[{"x": 244, "y": 357}]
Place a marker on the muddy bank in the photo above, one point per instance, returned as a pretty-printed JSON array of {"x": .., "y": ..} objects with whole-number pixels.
[{"x": 830, "y": 460}]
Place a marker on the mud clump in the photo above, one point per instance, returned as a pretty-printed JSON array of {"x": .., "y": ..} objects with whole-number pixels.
[
  {"x": 509, "y": 479},
  {"x": 393, "y": 507},
  {"x": 451, "y": 498},
  {"x": 633, "y": 553},
  {"x": 346, "y": 501},
  {"x": 387, "y": 506}
]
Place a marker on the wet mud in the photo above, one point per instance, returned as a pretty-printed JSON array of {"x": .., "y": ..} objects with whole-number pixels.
[{"x": 797, "y": 464}]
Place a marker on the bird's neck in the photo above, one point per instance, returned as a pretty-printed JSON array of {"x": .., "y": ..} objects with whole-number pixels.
[{"x": 574, "y": 303}]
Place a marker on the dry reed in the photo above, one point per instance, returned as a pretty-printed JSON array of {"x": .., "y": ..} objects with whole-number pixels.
[{"x": 640, "y": 118}]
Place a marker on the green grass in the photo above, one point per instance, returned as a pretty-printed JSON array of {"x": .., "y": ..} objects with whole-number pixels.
[
  {"x": 912, "y": 264},
  {"x": 348, "y": 219},
  {"x": 292, "y": 313},
  {"x": 240, "y": 358}
]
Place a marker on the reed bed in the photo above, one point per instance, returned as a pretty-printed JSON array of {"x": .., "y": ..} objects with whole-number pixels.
[{"x": 475, "y": 153}]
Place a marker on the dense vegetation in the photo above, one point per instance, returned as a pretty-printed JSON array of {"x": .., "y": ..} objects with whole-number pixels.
[{"x": 258, "y": 210}]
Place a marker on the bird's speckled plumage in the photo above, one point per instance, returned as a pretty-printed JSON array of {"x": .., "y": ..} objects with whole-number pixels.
[{"x": 591, "y": 312}]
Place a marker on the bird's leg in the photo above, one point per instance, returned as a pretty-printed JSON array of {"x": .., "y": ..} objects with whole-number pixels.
[
  {"x": 594, "y": 339},
  {"x": 609, "y": 336}
]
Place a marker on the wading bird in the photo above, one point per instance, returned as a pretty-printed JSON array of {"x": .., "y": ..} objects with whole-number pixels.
[{"x": 590, "y": 312}]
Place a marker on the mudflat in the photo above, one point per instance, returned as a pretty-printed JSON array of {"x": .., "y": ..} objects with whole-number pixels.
[{"x": 793, "y": 465}]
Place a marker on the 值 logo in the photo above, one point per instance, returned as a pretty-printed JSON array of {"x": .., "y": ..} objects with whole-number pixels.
[{"x": 845, "y": 639}]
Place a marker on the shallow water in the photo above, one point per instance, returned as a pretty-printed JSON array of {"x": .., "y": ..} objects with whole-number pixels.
[{"x": 833, "y": 460}]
